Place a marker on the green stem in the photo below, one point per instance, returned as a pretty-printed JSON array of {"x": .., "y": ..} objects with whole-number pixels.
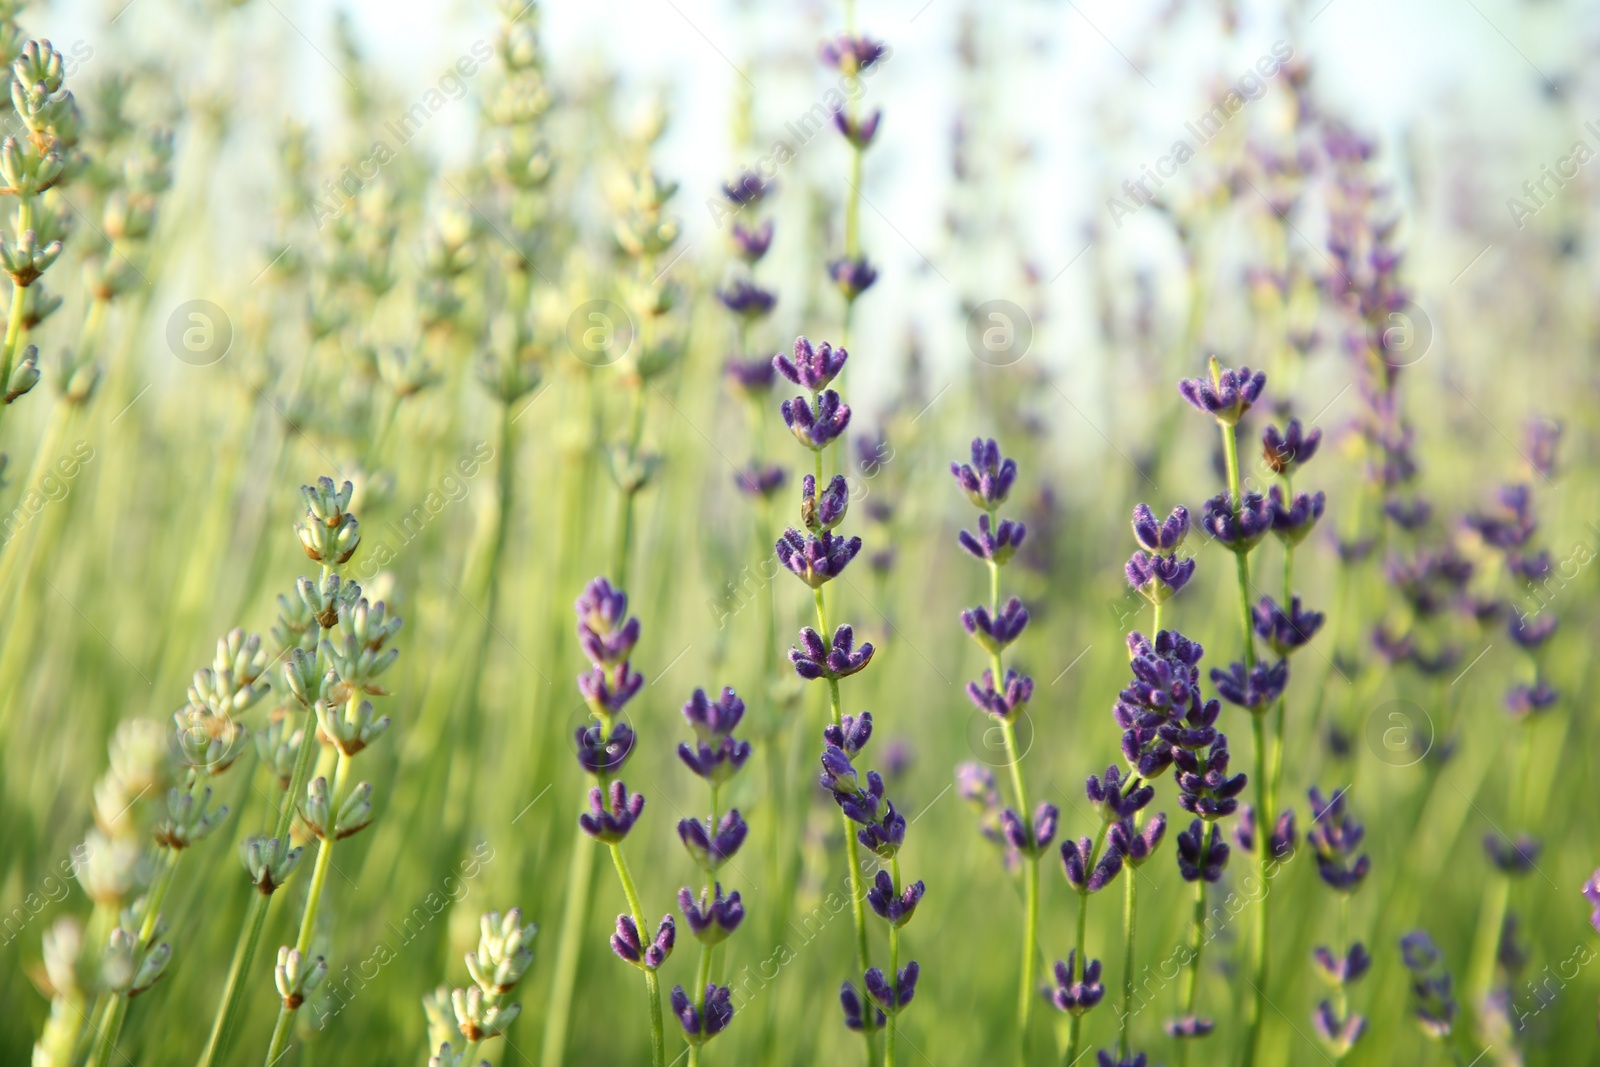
[
  {"x": 1197, "y": 943},
  {"x": 1130, "y": 904},
  {"x": 118, "y": 1011},
  {"x": 658, "y": 1047},
  {"x": 1264, "y": 853},
  {"x": 1079, "y": 960},
  {"x": 18, "y": 292},
  {"x": 894, "y": 970},
  {"x": 244, "y": 954}
]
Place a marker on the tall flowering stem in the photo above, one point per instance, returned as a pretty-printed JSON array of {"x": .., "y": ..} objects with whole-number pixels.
[
  {"x": 1336, "y": 838},
  {"x": 607, "y": 635},
  {"x": 854, "y": 56},
  {"x": 987, "y": 481}
]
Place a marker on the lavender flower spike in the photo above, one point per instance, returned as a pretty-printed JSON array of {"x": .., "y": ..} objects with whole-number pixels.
[
  {"x": 993, "y": 634},
  {"x": 627, "y": 944},
  {"x": 1252, "y": 690},
  {"x": 718, "y": 1014},
  {"x": 851, "y": 735},
  {"x": 1075, "y": 856},
  {"x": 611, "y": 824},
  {"x": 752, "y": 379},
  {"x": 1006, "y": 704},
  {"x": 1339, "y": 1035},
  {"x": 1161, "y": 537},
  {"x": 1293, "y": 521},
  {"x": 827, "y": 511},
  {"x": 751, "y": 243},
  {"x": 852, "y": 54},
  {"x": 839, "y": 658},
  {"x": 1202, "y": 853},
  {"x": 605, "y": 632},
  {"x": 816, "y": 560},
  {"x": 602, "y": 754},
  {"x": 1435, "y": 1004},
  {"x": 988, "y": 480},
  {"x": 1285, "y": 632},
  {"x": 1336, "y": 836},
  {"x": 1288, "y": 450},
  {"x": 1076, "y": 996},
  {"x": 892, "y": 999},
  {"x": 816, "y": 429},
  {"x": 895, "y": 908},
  {"x": 711, "y": 921},
  {"x": 851, "y": 1002},
  {"x": 710, "y": 850},
  {"x": 1137, "y": 846},
  {"x": 813, "y": 367},
  {"x": 854, "y": 276},
  {"x": 1158, "y": 578},
  {"x": 746, "y": 299},
  {"x": 1227, "y": 394},
  {"x": 1239, "y": 530}
]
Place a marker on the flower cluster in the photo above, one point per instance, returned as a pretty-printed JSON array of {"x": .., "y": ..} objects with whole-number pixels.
[
  {"x": 479, "y": 1012},
  {"x": 1155, "y": 570},
  {"x": 855, "y": 57},
  {"x": 1336, "y": 837},
  {"x": 1434, "y": 1001}
]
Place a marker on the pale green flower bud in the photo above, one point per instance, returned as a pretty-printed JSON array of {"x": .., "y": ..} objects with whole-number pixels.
[
  {"x": 478, "y": 1019},
  {"x": 208, "y": 742},
  {"x": 296, "y": 979},
  {"x": 188, "y": 819},
  {"x": 350, "y": 735},
  {"x": 355, "y": 813},
  {"x": 505, "y": 952},
  {"x": 278, "y": 744},
  {"x": 129, "y": 969},
  {"x": 269, "y": 861},
  {"x": 25, "y": 375},
  {"x": 25, "y": 260}
]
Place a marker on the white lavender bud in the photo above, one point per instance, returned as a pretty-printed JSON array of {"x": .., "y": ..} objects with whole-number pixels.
[
  {"x": 478, "y": 1018},
  {"x": 278, "y": 745},
  {"x": 356, "y": 811},
  {"x": 504, "y": 952},
  {"x": 25, "y": 375},
  {"x": 24, "y": 259},
  {"x": 206, "y": 741},
  {"x": 269, "y": 860},
  {"x": 295, "y": 978},
  {"x": 188, "y": 821},
  {"x": 350, "y": 735},
  {"x": 130, "y": 969}
]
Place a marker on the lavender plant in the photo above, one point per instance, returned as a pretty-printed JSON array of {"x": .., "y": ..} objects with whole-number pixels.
[{"x": 480, "y": 1013}]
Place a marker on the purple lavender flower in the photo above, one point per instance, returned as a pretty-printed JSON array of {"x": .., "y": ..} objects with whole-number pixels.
[
  {"x": 710, "y": 850},
  {"x": 1205, "y": 787},
  {"x": 827, "y": 511},
  {"x": 1239, "y": 530},
  {"x": 1106, "y": 1058},
  {"x": 1540, "y": 436},
  {"x": 1188, "y": 1027},
  {"x": 1115, "y": 797},
  {"x": 711, "y": 920},
  {"x": 1513, "y": 857},
  {"x": 1072, "y": 994},
  {"x": 1511, "y": 524},
  {"x": 1296, "y": 519},
  {"x": 1342, "y": 970},
  {"x": 1018, "y": 835},
  {"x": 713, "y": 719},
  {"x": 758, "y": 480},
  {"x": 1160, "y": 537},
  {"x": 1138, "y": 845},
  {"x": 884, "y": 837},
  {"x": 1280, "y": 842},
  {"x": 1532, "y": 632},
  {"x": 716, "y": 761},
  {"x": 840, "y": 778},
  {"x": 1286, "y": 632},
  {"x": 752, "y": 378},
  {"x": 600, "y": 753},
  {"x": 859, "y": 131},
  {"x": 993, "y": 634},
  {"x": 1288, "y": 450},
  {"x": 1410, "y": 514},
  {"x": 1339, "y": 1035},
  {"x": 1591, "y": 893},
  {"x": 698, "y": 1027},
  {"x": 627, "y": 944},
  {"x": 1529, "y": 566},
  {"x": 851, "y": 734},
  {"x": 747, "y": 299},
  {"x": 987, "y": 481},
  {"x": 1336, "y": 836},
  {"x": 1227, "y": 394},
  {"x": 1252, "y": 690},
  {"x": 892, "y": 1000},
  {"x": 816, "y": 560},
  {"x": 816, "y": 429},
  {"x": 830, "y": 660},
  {"x": 1075, "y": 859},
  {"x": 1525, "y": 700},
  {"x": 895, "y": 908},
  {"x": 1435, "y": 1004},
  {"x": 611, "y": 824},
  {"x": 850, "y": 1001},
  {"x": 813, "y": 367},
  {"x": 1202, "y": 853},
  {"x": 1006, "y": 704},
  {"x": 996, "y": 545},
  {"x": 748, "y": 189},
  {"x": 855, "y": 276},
  {"x": 751, "y": 243},
  {"x": 605, "y": 632},
  {"x": 852, "y": 53},
  {"x": 608, "y": 693},
  {"x": 1158, "y": 578}
]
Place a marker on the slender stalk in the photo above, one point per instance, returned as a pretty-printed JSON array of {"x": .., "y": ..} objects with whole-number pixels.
[
  {"x": 1196, "y": 945},
  {"x": 1130, "y": 904},
  {"x": 18, "y": 292},
  {"x": 894, "y": 970},
  {"x": 658, "y": 1046},
  {"x": 118, "y": 1009},
  {"x": 1079, "y": 962},
  {"x": 255, "y": 918}
]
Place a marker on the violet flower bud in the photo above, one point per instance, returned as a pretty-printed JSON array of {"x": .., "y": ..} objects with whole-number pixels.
[
  {"x": 748, "y": 189},
  {"x": 747, "y": 299},
  {"x": 988, "y": 479},
  {"x": 1293, "y": 521},
  {"x": 1076, "y": 995},
  {"x": 1238, "y": 531},
  {"x": 1253, "y": 690},
  {"x": 1591, "y": 893},
  {"x": 1288, "y": 450},
  {"x": 1512, "y": 857},
  {"x": 851, "y": 54},
  {"x": 1525, "y": 700},
  {"x": 758, "y": 480},
  {"x": 1532, "y": 631},
  {"x": 838, "y": 774},
  {"x": 885, "y": 836},
  {"x": 1117, "y": 798},
  {"x": 611, "y": 824},
  {"x": 1138, "y": 845},
  {"x": 816, "y": 560},
  {"x": 851, "y": 734},
  {"x": 997, "y": 545},
  {"x": 855, "y": 276},
  {"x": 895, "y": 908},
  {"x": 1188, "y": 1027},
  {"x": 1540, "y": 438},
  {"x": 1336, "y": 836},
  {"x": 718, "y": 1014},
  {"x": 892, "y": 999},
  {"x": 711, "y": 921},
  {"x": 1409, "y": 515},
  {"x": 832, "y": 660},
  {"x": 711, "y": 849},
  {"x": 608, "y": 693},
  {"x": 993, "y": 634},
  {"x": 1339, "y": 1035},
  {"x": 1162, "y": 537},
  {"x": 627, "y": 944},
  {"x": 1227, "y": 394},
  {"x": 714, "y": 719},
  {"x": 1285, "y": 633},
  {"x": 1017, "y": 833},
  {"x": 601, "y": 607},
  {"x": 1158, "y": 578},
  {"x": 1006, "y": 704},
  {"x": 1202, "y": 853},
  {"x": 823, "y": 513},
  {"x": 715, "y": 762},
  {"x": 1434, "y": 1003},
  {"x": 813, "y": 367},
  {"x": 1205, "y": 788},
  {"x": 1342, "y": 970},
  {"x": 859, "y": 131},
  {"x": 602, "y": 754},
  {"x": 1075, "y": 857},
  {"x": 752, "y": 379},
  {"x": 850, "y": 1001},
  {"x": 751, "y": 243},
  {"x": 816, "y": 429}
]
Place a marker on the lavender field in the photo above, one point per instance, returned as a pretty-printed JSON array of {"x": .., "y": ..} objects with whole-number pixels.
[{"x": 687, "y": 532}]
